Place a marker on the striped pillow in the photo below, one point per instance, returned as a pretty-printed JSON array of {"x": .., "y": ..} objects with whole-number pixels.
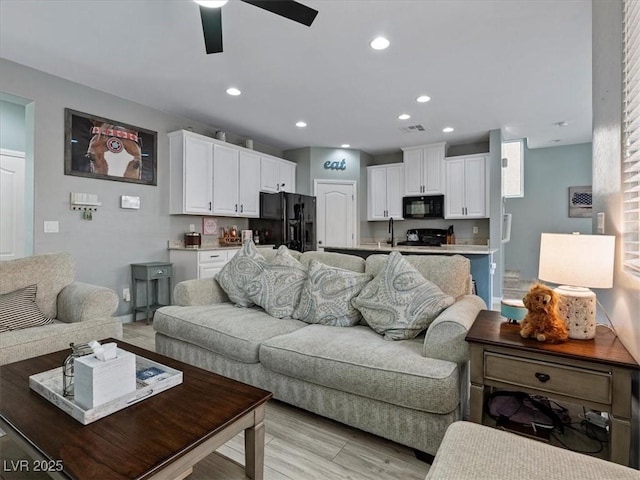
[{"x": 18, "y": 310}]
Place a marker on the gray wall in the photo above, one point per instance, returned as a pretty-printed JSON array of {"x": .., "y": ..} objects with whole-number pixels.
[
  {"x": 622, "y": 302},
  {"x": 105, "y": 247},
  {"x": 12, "y": 126},
  {"x": 548, "y": 174}
]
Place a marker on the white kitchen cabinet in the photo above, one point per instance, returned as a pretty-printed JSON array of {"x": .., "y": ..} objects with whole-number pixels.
[
  {"x": 424, "y": 170},
  {"x": 466, "y": 187},
  {"x": 191, "y": 264},
  {"x": 236, "y": 182},
  {"x": 191, "y": 173},
  {"x": 385, "y": 184},
  {"x": 277, "y": 175}
]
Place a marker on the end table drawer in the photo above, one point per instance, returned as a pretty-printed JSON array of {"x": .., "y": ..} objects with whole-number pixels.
[
  {"x": 548, "y": 377},
  {"x": 160, "y": 272}
]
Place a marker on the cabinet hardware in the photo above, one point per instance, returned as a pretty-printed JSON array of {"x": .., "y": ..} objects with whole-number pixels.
[
  {"x": 543, "y": 377},
  {"x": 241, "y": 208},
  {"x": 214, "y": 256},
  {"x": 209, "y": 206},
  {"x": 236, "y": 207}
]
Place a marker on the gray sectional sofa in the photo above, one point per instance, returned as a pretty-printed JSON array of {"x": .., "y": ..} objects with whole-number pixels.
[
  {"x": 81, "y": 312},
  {"x": 408, "y": 391}
]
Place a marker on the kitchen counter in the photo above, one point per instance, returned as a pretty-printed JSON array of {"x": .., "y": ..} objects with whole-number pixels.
[
  {"x": 443, "y": 249},
  {"x": 207, "y": 248}
]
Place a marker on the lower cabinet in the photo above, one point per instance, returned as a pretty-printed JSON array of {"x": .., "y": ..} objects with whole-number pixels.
[{"x": 190, "y": 264}]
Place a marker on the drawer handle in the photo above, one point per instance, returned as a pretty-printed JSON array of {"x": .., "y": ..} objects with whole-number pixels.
[
  {"x": 159, "y": 272},
  {"x": 214, "y": 256},
  {"x": 543, "y": 377}
]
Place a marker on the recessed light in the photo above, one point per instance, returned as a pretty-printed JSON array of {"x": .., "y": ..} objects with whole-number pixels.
[
  {"x": 447, "y": 129},
  {"x": 211, "y": 3},
  {"x": 345, "y": 145},
  {"x": 404, "y": 116},
  {"x": 379, "y": 43},
  {"x": 423, "y": 99},
  {"x": 233, "y": 91},
  {"x": 301, "y": 124}
]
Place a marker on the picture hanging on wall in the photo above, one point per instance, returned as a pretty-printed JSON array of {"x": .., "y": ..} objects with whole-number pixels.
[
  {"x": 580, "y": 201},
  {"x": 97, "y": 147}
]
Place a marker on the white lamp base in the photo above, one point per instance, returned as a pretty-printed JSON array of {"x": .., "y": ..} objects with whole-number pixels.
[{"x": 577, "y": 306}]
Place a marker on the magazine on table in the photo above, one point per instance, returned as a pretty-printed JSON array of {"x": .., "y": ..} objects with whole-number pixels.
[{"x": 151, "y": 375}]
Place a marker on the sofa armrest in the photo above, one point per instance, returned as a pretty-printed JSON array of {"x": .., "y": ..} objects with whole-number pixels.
[
  {"x": 201, "y": 291},
  {"x": 79, "y": 301},
  {"x": 445, "y": 337}
]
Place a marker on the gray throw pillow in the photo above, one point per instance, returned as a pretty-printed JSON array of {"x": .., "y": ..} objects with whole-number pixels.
[
  {"x": 245, "y": 266},
  {"x": 277, "y": 288},
  {"x": 18, "y": 309},
  {"x": 399, "y": 302},
  {"x": 327, "y": 294}
]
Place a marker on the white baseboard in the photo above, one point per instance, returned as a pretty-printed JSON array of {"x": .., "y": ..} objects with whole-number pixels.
[{"x": 127, "y": 318}]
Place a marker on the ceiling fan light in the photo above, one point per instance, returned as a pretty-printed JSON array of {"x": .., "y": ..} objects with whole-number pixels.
[{"x": 211, "y": 3}]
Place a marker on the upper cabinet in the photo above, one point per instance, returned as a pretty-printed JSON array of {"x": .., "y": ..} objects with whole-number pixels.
[
  {"x": 211, "y": 177},
  {"x": 466, "y": 181},
  {"x": 385, "y": 184},
  {"x": 191, "y": 173},
  {"x": 277, "y": 175},
  {"x": 424, "y": 170}
]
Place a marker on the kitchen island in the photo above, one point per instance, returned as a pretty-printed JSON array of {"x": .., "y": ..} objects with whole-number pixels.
[{"x": 481, "y": 257}]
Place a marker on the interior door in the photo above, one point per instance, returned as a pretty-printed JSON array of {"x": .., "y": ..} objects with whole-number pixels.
[
  {"x": 12, "y": 205},
  {"x": 336, "y": 213}
]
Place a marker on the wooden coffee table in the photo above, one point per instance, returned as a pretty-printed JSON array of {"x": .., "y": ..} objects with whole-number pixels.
[{"x": 161, "y": 437}]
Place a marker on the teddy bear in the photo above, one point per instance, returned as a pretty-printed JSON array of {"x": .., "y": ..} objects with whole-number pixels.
[{"x": 542, "y": 321}]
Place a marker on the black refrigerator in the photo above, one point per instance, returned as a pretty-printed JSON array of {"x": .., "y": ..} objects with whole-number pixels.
[{"x": 286, "y": 219}]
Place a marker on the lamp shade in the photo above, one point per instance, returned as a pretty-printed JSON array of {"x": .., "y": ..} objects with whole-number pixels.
[{"x": 577, "y": 260}]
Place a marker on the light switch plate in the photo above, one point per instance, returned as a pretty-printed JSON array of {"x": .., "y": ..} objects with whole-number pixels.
[
  {"x": 600, "y": 226},
  {"x": 127, "y": 201},
  {"x": 51, "y": 226}
]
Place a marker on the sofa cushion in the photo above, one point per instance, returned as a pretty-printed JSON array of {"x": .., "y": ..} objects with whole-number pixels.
[
  {"x": 51, "y": 272},
  {"x": 277, "y": 288},
  {"x": 239, "y": 271},
  {"x": 327, "y": 294},
  {"x": 450, "y": 273},
  {"x": 400, "y": 303},
  {"x": 359, "y": 361},
  {"x": 223, "y": 328},
  {"x": 18, "y": 309}
]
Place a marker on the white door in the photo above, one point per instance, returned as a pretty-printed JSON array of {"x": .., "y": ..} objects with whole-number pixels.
[
  {"x": 249, "y": 184},
  {"x": 225, "y": 181},
  {"x": 198, "y": 176},
  {"x": 12, "y": 207},
  {"x": 336, "y": 213}
]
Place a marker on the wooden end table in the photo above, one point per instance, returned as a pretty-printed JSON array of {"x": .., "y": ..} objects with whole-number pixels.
[
  {"x": 161, "y": 437},
  {"x": 595, "y": 373}
]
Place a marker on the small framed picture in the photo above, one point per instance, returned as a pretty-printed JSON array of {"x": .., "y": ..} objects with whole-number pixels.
[
  {"x": 580, "y": 201},
  {"x": 209, "y": 226},
  {"x": 107, "y": 149}
]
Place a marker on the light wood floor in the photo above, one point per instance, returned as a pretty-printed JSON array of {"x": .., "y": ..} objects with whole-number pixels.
[{"x": 300, "y": 445}]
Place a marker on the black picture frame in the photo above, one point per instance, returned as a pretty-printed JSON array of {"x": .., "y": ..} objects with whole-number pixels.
[{"x": 97, "y": 147}]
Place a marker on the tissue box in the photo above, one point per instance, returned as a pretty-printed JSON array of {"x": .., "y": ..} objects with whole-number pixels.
[{"x": 97, "y": 382}]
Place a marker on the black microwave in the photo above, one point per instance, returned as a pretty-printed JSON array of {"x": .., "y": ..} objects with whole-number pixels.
[{"x": 427, "y": 206}]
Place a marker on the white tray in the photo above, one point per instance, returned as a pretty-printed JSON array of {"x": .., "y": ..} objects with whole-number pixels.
[{"x": 49, "y": 385}]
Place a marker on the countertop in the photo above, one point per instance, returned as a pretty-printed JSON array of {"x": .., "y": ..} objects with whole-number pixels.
[
  {"x": 207, "y": 248},
  {"x": 444, "y": 249}
]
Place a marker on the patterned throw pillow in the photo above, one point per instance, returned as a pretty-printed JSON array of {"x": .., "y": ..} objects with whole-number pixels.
[
  {"x": 245, "y": 266},
  {"x": 399, "y": 302},
  {"x": 327, "y": 294},
  {"x": 277, "y": 288},
  {"x": 18, "y": 309}
]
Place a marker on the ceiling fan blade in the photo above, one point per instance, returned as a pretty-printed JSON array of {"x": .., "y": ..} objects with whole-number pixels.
[
  {"x": 288, "y": 9},
  {"x": 212, "y": 28}
]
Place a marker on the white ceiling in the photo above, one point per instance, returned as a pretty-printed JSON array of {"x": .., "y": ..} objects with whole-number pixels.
[{"x": 518, "y": 65}]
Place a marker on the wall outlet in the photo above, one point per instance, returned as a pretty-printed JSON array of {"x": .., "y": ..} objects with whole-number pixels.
[
  {"x": 596, "y": 419},
  {"x": 475, "y": 229},
  {"x": 126, "y": 295}
]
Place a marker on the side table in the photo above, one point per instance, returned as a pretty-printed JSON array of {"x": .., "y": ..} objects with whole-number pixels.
[
  {"x": 595, "y": 373},
  {"x": 150, "y": 272}
]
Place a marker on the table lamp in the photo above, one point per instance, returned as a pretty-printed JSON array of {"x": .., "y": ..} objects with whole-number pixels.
[{"x": 577, "y": 262}]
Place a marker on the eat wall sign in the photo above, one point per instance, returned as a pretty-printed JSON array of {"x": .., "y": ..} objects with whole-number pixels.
[{"x": 335, "y": 165}]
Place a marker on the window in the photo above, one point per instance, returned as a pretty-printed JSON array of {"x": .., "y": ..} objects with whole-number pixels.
[
  {"x": 631, "y": 137},
  {"x": 512, "y": 171}
]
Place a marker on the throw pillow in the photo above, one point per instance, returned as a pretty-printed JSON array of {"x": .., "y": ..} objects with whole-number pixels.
[
  {"x": 18, "y": 309},
  {"x": 327, "y": 294},
  {"x": 399, "y": 302},
  {"x": 277, "y": 288},
  {"x": 239, "y": 271}
]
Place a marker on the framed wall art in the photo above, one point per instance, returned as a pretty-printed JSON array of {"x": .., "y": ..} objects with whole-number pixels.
[
  {"x": 580, "y": 199},
  {"x": 98, "y": 147}
]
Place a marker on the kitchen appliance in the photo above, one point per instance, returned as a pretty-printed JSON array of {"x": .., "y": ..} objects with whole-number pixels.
[
  {"x": 192, "y": 240},
  {"x": 287, "y": 219},
  {"x": 426, "y": 206},
  {"x": 425, "y": 237}
]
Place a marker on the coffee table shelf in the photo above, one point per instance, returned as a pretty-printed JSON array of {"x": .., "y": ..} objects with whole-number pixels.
[{"x": 49, "y": 385}]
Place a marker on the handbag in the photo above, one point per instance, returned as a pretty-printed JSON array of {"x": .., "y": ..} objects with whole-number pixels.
[{"x": 528, "y": 410}]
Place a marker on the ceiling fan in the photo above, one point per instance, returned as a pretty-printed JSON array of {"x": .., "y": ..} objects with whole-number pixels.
[{"x": 211, "y": 15}]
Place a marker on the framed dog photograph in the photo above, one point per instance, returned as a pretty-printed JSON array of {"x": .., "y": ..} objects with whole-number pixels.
[
  {"x": 580, "y": 201},
  {"x": 98, "y": 147}
]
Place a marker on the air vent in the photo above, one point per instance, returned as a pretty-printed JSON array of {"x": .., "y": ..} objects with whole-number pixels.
[{"x": 413, "y": 129}]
